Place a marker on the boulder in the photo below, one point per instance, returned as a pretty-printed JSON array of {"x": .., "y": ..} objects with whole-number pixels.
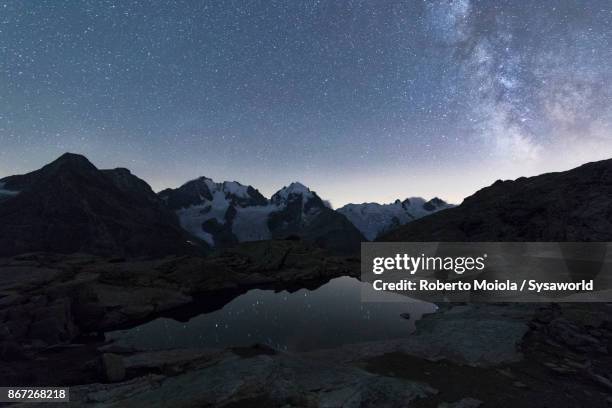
[
  {"x": 462, "y": 403},
  {"x": 112, "y": 367}
]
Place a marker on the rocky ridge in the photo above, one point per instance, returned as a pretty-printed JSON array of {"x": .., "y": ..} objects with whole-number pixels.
[{"x": 571, "y": 206}]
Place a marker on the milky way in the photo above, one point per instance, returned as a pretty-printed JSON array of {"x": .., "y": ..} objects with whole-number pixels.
[{"x": 360, "y": 100}]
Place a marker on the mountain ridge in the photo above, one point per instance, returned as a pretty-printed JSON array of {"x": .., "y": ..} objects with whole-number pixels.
[
  {"x": 572, "y": 205},
  {"x": 224, "y": 213},
  {"x": 70, "y": 206},
  {"x": 374, "y": 219}
]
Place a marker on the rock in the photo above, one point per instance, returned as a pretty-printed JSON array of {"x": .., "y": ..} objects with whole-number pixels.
[
  {"x": 575, "y": 336},
  {"x": 254, "y": 350},
  {"x": 11, "y": 351},
  {"x": 53, "y": 322},
  {"x": 600, "y": 379},
  {"x": 110, "y": 306},
  {"x": 279, "y": 380},
  {"x": 102, "y": 393},
  {"x": 18, "y": 276},
  {"x": 587, "y": 316},
  {"x": 117, "y": 349},
  {"x": 40, "y": 320},
  {"x": 113, "y": 367},
  {"x": 519, "y": 384},
  {"x": 5, "y": 333},
  {"x": 559, "y": 368},
  {"x": 166, "y": 358},
  {"x": 483, "y": 335},
  {"x": 462, "y": 403}
]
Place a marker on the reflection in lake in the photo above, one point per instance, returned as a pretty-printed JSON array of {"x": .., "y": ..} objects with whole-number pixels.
[{"x": 329, "y": 316}]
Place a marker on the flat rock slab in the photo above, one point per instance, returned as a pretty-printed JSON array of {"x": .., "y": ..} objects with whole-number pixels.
[
  {"x": 174, "y": 357},
  {"x": 22, "y": 277},
  {"x": 477, "y": 335},
  {"x": 278, "y": 380}
]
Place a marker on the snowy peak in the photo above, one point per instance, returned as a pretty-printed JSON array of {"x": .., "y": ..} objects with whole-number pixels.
[
  {"x": 292, "y": 192},
  {"x": 373, "y": 219},
  {"x": 204, "y": 190},
  {"x": 296, "y": 188},
  {"x": 213, "y": 211},
  {"x": 419, "y": 207},
  {"x": 234, "y": 188},
  {"x": 191, "y": 193},
  {"x": 236, "y": 193},
  {"x": 297, "y": 194}
]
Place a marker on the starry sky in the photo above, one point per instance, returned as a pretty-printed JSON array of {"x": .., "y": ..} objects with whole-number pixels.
[{"x": 359, "y": 100}]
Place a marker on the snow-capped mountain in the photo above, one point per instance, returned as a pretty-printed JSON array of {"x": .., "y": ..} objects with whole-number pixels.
[
  {"x": 229, "y": 212},
  {"x": 211, "y": 210},
  {"x": 373, "y": 219}
]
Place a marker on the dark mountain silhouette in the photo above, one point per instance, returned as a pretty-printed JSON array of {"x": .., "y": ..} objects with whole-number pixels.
[
  {"x": 71, "y": 206},
  {"x": 574, "y": 205}
]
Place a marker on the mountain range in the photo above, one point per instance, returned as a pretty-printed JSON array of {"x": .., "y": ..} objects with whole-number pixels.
[
  {"x": 225, "y": 213},
  {"x": 374, "y": 219},
  {"x": 71, "y": 206}
]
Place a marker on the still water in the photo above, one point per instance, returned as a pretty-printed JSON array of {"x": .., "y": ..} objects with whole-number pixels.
[{"x": 329, "y": 316}]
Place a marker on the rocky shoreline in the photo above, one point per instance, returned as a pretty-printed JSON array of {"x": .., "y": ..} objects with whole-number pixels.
[
  {"x": 504, "y": 355},
  {"x": 55, "y": 308},
  {"x": 50, "y": 299}
]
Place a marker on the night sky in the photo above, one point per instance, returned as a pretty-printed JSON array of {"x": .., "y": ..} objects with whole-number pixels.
[{"x": 360, "y": 100}]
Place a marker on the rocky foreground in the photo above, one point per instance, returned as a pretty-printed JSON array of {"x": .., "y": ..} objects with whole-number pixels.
[
  {"x": 463, "y": 356},
  {"x": 53, "y": 309}
]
